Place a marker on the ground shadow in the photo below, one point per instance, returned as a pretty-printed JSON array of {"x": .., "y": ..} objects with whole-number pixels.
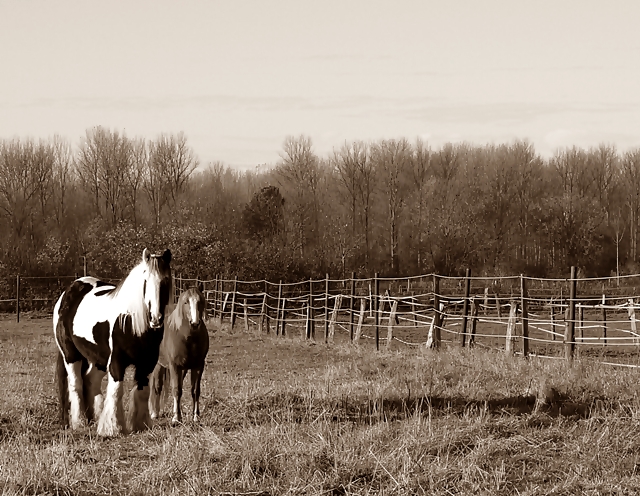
[
  {"x": 395, "y": 408},
  {"x": 366, "y": 410}
]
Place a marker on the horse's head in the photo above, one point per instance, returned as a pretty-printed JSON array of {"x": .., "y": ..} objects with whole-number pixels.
[
  {"x": 192, "y": 303},
  {"x": 157, "y": 285}
]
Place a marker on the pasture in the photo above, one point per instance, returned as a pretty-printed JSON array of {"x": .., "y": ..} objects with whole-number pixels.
[{"x": 282, "y": 415}]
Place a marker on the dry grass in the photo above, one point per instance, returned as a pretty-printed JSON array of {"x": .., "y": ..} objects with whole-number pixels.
[{"x": 282, "y": 416}]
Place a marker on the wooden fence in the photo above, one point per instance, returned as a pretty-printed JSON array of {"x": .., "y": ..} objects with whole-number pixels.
[
  {"x": 517, "y": 314},
  {"x": 523, "y": 315}
]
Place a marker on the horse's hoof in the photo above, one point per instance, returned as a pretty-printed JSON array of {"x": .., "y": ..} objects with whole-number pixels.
[
  {"x": 77, "y": 424},
  {"x": 196, "y": 418},
  {"x": 110, "y": 431},
  {"x": 154, "y": 416},
  {"x": 175, "y": 421}
]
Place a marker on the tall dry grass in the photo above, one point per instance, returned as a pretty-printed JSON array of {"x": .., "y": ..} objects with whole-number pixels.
[{"x": 283, "y": 416}]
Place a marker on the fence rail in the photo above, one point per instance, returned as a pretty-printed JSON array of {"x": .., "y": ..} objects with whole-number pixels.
[{"x": 518, "y": 314}]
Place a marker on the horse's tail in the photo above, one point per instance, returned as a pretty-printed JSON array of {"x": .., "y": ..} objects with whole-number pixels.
[{"x": 63, "y": 390}]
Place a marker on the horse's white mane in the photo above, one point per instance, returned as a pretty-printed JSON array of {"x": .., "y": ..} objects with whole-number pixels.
[{"x": 129, "y": 299}]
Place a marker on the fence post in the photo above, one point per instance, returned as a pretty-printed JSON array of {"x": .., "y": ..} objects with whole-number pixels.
[
  {"x": 326, "y": 309},
  {"x": 377, "y": 304},
  {"x": 215, "y": 296},
  {"x": 474, "y": 321},
  {"x": 306, "y": 332},
  {"x": 430, "y": 341},
  {"x": 175, "y": 287},
  {"x": 437, "y": 317},
  {"x": 413, "y": 309},
  {"x": 553, "y": 320},
  {"x": 465, "y": 307},
  {"x": 246, "y": 315},
  {"x": 486, "y": 300},
  {"x": 371, "y": 306},
  {"x": 604, "y": 319},
  {"x": 581, "y": 322},
  {"x": 498, "y": 307},
  {"x": 224, "y": 305},
  {"x": 570, "y": 329},
  {"x": 311, "y": 331},
  {"x": 233, "y": 302},
  {"x": 278, "y": 308},
  {"x": 392, "y": 316},
  {"x": 263, "y": 314},
  {"x": 18, "y": 298},
  {"x": 351, "y": 302},
  {"x": 524, "y": 296},
  {"x": 632, "y": 317},
  {"x": 334, "y": 316},
  {"x": 508, "y": 348},
  {"x": 284, "y": 317},
  {"x": 220, "y": 297},
  {"x": 363, "y": 307}
]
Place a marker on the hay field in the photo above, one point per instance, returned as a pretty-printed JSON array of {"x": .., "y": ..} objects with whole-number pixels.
[{"x": 284, "y": 416}]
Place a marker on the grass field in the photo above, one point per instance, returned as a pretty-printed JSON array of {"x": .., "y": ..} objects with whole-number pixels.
[{"x": 285, "y": 416}]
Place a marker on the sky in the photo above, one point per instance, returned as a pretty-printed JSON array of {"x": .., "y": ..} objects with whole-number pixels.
[{"x": 237, "y": 77}]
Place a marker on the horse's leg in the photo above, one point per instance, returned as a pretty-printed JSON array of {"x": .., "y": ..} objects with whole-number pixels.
[
  {"x": 74, "y": 377},
  {"x": 139, "y": 418},
  {"x": 156, "y": 382},
  {"x": 176, "y": 390},
  {"x": 93, "y": 392},
  {"x": 196, "y": 376},
  {"x": 111, "y": 422}
]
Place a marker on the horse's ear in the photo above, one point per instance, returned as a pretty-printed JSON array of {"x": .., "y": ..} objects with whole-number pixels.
[
  {"x": 146, "y": 255},
  {"x": 166, "y": 256}
]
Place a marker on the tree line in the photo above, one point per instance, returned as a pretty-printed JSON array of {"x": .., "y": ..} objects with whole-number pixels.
[{"x": 397, "y": 207}]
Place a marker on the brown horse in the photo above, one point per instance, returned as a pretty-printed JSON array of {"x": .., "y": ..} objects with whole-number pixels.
[{"x": 184, "y": 347}]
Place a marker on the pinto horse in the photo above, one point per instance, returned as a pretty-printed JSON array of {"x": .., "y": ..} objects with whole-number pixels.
[
  {"x": 184, "y": 347},
  {"x": 101, "y": 329}
]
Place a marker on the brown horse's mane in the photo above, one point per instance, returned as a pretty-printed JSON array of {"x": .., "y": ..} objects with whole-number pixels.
[{"x": 176, "y": 317}]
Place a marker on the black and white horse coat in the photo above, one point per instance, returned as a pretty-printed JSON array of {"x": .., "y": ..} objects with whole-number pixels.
[{"x": 101, "y": 329}]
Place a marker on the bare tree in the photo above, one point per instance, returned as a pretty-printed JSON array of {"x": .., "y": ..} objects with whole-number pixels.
[
  {"x": 88, "y": 168},
  {"x": 63, "y": 176},
  {"x": 366, "y": 186},
  {"x": 104, "y": 162},
  {"x": 299, "y": 170},
  {"x": 21, "y": 178},
  {"x": 393, "y": 158},
  {"x": 135, "y": 174},
  {"x": 577, "y": 215},
  {"x": 421, "y": 170},
  {"x": 345, "y": 161},
  {"x": 602, "y": 163},
  {"x": 528, "y": 191},
  {"x": 631, "y": 177},
  {"x": 154, "y": 183},
  {"x": 42, "y": 174},
  {"x": 25, "y": 180},
  {"x": 177, "y": 162}
]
